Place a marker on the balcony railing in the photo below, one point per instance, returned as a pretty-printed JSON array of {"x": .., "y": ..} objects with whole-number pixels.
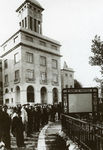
[
  {"x": 89, "y": 136},
  {"x": 6, "y": 84},
  {"x": 43, "y": 82},
  {"x": 17, "y": 80},
  {"x": 55, "y": 83},
  {"x": 30, "y": 80}
]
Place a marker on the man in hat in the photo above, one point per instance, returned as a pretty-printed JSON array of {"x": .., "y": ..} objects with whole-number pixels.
[{"x": 18, "y": 129}]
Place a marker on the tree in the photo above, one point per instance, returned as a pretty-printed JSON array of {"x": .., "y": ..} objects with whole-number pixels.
[
  {"x": 77, "y": 84},
  {"x": 97, "y": 58},
  {"x": 97, "y": 50}
]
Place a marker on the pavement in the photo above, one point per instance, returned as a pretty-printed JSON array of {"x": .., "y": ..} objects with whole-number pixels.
[{"x": 46, "y": 139}]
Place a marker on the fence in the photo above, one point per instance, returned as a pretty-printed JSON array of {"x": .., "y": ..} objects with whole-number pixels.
[{"x": 87, "y": 135}]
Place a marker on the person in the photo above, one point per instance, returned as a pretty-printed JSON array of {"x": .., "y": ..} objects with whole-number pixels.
[
  {"x": 36, "y": 116},
  {"x": 30, "y": 121},
  {"x": 18, "y": 129},
  {"x": 6, "y": 128},
  {"x": 1, "y": 123},
  {"x": 24, "y": 117}
]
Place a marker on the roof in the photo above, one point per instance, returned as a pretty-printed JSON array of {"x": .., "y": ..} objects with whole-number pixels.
[
  {"x": 34, "y": 2},
  {"x": 65, "y": 67}
]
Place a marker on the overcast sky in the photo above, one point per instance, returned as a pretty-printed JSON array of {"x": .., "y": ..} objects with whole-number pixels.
[{"x": 74, "y": 23}]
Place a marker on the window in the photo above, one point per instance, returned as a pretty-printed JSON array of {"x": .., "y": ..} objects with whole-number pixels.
[
  {"x": 55, "y": 78},
  {"x": 29, "y": 57},
  {"x": 25, "y": 22},
  {"x": 54, "y": 47},
  {"x": 43, "y": 76},
  {"x": 66, "y": 86},
  {"x": 6, "y": 78},
  {"x": 42, "y": 43},
  {"x": 31, "y": 23},
  {"x": 6, "y": 101},
  {"x": 11, "y": 89},
  {"x": 17, "y": 76},
  {"x": 30, "y": 6},
  {"x": 38, "y": 26},
  {"x": 54, "y": 64},
  {"x": 16, "y": 58},
  {"x": 35, "y": 25},
  {"x": 6, "y": 91},
  {"x": 38, "y": 11},
  {"x": 30, "y": 74},
  {"x": 6, "y": 64},
  {"x": 22, "y": 23},
  {"x": 42, "y": 60},
  {"x": 71, "y": 75},
  {"x": 11, "y": 100},
  {"x": 66, "y": 75},
  {"x": 28, "y": 38}
]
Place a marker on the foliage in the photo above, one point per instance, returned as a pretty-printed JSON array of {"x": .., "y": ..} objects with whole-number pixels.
[
  {"x": 97, "y": 50},
  {"x": 77, "y": 84}
]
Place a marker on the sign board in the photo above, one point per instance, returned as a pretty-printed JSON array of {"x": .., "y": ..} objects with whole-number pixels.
[{"x": 82, "y": 100}]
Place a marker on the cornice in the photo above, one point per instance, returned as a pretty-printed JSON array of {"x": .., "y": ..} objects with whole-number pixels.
[{"x": 33, "y": 47}]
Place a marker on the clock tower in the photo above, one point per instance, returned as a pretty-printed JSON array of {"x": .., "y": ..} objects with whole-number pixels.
[{"x": 30, "y": 16}]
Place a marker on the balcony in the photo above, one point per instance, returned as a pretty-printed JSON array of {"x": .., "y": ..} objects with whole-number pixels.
[
  {"x": 6, "y": 84},
  {"x": 43, "y": 82},
  {"x": 55, "y": 83},
  {"x": 17, "y": 80},
  {"x": 28, "y": 80}
]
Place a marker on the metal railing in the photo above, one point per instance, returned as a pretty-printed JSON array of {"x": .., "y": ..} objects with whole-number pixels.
[{"x": 87, "y": 135}]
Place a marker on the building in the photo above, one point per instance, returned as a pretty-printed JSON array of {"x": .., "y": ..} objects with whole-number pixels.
[
  {"x": 31, "y": 61},
  {"x": 1, "y": 87},
  {"x": 67, "y": 77}
]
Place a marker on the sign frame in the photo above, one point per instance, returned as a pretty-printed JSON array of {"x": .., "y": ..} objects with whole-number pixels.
[{"x": 67, "y": 91}]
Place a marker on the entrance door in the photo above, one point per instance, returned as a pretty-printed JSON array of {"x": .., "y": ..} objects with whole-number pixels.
[{"x": 30, "y": 94}]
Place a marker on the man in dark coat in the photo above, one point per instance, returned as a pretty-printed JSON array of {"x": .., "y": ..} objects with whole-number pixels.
[
  {"x": 30, "y": 121},
  {"x": 6, "y": 128},
  {"x": 37, "y": 115},
  {"x": 1, "y": 122},
  {"x": 18, "y": 129}
]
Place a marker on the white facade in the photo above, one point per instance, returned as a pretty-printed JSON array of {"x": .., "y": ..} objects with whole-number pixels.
[
  {"x": 31, "y": 61},
  {"x": 67, "y": 77}
]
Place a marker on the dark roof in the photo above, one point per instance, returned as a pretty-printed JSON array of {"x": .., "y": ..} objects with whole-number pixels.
[{"x": 34, "y": 2}]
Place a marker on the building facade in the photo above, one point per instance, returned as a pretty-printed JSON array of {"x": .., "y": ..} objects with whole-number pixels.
[
  {"x": 31, "y": 61},
  {"x": 67, "y": 77}
]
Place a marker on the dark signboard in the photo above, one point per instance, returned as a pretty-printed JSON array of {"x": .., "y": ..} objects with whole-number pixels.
[{"x": 82, "y": 100}]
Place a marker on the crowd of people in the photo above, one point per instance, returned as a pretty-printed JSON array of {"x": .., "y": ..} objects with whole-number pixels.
[{"x": 26, "y": 120}]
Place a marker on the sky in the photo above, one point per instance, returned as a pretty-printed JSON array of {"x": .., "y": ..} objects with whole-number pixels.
[{"x": 74, "y": 23}]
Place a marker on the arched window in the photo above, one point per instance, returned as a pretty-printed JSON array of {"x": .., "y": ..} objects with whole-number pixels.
[
  {"x": 55, "y": 95},
  {"x": 6, "y": 91}
]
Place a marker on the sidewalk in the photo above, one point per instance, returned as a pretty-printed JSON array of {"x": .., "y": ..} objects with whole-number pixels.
[{"x": 46, "y": 139}]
